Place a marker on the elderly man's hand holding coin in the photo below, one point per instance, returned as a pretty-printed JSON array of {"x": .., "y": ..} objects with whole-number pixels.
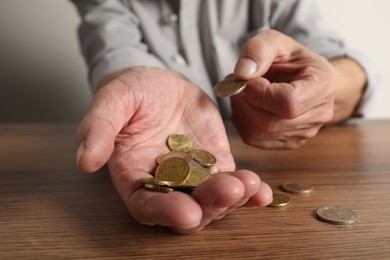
[
  {"x": 127, "y": 126},
  {"x": 289, "y": 92}
]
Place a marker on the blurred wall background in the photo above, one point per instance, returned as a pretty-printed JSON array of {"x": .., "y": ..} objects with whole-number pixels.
[
  {"x": 43, "y": 77},
  {"x": 364, "y": 26}
]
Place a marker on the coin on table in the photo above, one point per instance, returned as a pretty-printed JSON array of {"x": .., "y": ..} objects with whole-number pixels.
[
  {"x": 174, "y": 169},
  {"x": 158, "y": 188},
  {"x": 299, "y": 188},
  {"x": 279, "y": 200},
  {"x": 179, "y": 142},
  {"x": 336, "y": 215},
  {"x": 229, "y": 87},
  {"x": 184, "y": 155},
  {"x": 203, "y": 157}
]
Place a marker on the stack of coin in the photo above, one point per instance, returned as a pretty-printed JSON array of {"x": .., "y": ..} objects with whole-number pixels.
[{"x": 181, "y": 169}]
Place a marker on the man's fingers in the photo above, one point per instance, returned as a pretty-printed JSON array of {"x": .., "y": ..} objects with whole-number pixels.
[
  {"x": 288, "y": 81},
  {"x": 262, "y": 198},
  {"x": 259, "y": 52},
  {"x": 225, "y": 192},
  {"x": 185, "y": 213},
  {"x": 176, "y": 210}
]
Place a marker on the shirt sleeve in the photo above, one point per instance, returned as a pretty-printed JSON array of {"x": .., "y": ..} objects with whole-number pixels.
[
  {"x": 302, "y": 20},
  {"x": 110, "y": 38}
]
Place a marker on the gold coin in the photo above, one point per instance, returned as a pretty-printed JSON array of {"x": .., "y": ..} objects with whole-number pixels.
[
  {"x": 196, "y": 164},
  {"x": 174, "y": 170},
  {"x": 337, "y": 216},
  {"x": 196, "y": 176},
  {"x": 155, "y": 181},
  {"x": 229, "y": 87},
  {"x": 183, "y": 187},
  {"x": 205, "y": 158},
  {"x": 279, "y": 200},
  {"x": 299, "y": 188},
  {"x": 184, "y": 155},
  {"x": 179, "y": 142},
  {"x": 158, "y": 188}
]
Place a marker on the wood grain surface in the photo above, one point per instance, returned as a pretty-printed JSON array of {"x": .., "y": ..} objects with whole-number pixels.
[{"x": 49, "y": 210}]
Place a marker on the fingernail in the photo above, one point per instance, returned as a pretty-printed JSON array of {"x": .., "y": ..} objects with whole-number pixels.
[
  {"x": 245, "y": 67},
  {"x": 80, "y": 151}
]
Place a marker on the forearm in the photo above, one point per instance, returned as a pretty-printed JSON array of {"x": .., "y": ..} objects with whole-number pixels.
[{"x": 350, "y": 85}]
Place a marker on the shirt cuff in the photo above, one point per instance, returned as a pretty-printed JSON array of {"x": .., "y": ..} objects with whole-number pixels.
[{"x": 373, "y": 81}]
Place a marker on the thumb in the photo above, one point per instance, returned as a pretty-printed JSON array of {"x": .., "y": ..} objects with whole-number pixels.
[
  {"x": 96, "y": 142},
  {"x": 261, "y": 51},
  {"x": 108, "y": 113}
]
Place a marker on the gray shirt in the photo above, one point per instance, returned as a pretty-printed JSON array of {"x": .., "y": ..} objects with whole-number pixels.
[{"x": 199, "y": 38}]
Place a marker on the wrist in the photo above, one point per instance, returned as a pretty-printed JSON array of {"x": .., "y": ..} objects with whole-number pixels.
[{"x": 351, "y": 81}]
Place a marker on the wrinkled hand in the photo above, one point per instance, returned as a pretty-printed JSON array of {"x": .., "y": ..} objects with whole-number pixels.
[
  {"x": 290, "y": 93},
  {"x": 127, "y": 125}
]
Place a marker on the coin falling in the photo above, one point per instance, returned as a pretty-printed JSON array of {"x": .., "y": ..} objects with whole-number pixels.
[
  {"x": 337, "y": 216},
  {"x": 177, "y": 169},
  {"x": 229, "y": 87}
]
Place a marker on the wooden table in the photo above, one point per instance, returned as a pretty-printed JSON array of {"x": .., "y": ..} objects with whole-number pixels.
[{"x": 48, "y": 210}]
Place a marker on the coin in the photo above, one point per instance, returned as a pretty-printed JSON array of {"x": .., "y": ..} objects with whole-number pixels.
[
  {"x": 196, "y": 164},
  {"x": 158, "y": 187},
  {"x": 337, "y": 216},
  {"x": 229, "y": 87},
  {"x": 183, "y": 188},
  {"x": 155, "y": 181},
  {"x": 173, "y": 169},
  {"x": 203, "y": 157},
  {"x": 177, "y": 171},
  {"x": 279, "y": 200},
  {"x": 299, "y": 188},
  {"x": 179, "y": 142},
  {"x": 196, "y": 176},
  {"x": 184, "y": 155}
]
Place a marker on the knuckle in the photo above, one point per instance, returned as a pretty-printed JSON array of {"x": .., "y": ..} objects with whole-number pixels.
[{"x": 292, "y": 105}]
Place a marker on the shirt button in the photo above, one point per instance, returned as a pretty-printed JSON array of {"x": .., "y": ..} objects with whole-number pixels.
[
  {"x": 170, "y": 19},
  {"x": 179, "y": 60}
]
